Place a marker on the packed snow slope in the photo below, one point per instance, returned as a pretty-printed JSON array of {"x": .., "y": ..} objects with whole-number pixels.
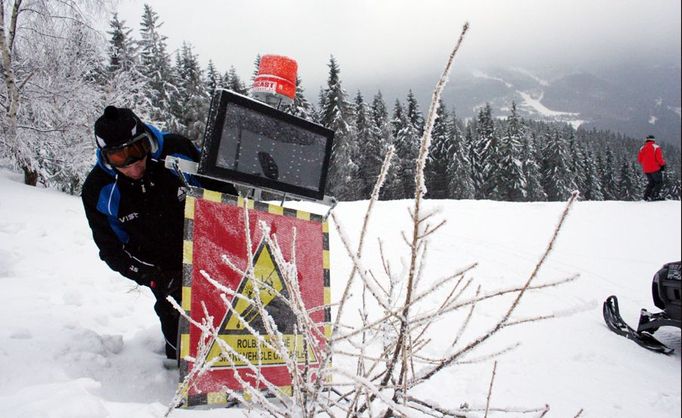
[{"x": 78, "y": 340}]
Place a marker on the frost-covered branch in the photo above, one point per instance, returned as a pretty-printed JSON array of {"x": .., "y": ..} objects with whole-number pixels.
[{"x": 386, "y": 347}]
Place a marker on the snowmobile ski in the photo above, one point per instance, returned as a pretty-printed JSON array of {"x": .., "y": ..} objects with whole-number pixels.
[{"x": 616, "y": 324}]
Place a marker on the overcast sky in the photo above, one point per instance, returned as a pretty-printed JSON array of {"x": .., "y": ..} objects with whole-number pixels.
[{"x": 378, "y": 40}]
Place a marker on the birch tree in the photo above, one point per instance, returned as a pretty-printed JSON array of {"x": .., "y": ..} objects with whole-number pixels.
[{"x": 49, "y": 68}]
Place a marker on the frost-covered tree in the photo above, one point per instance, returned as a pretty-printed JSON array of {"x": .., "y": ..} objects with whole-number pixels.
[
  {"x": 124, "y": 84},
  {"x": 627, "y": 182},
  {"x": 557, "y": 178},
  {"x": 393, "y": 187},
  {"x": 234, "y": 83},
  {"x": 156, "y": 66},
  {"x": 398, "y": 118},
  {"x": 414, "y": 115},
  {"x": 671, "y": 181},
  {"x": 335, "y": 113},
  {"x": 256, "y": 66},
  {"x": 459, "y": 167},
  {"x": 406, "y": 147},
  {"x": 191, "y": 101},
  {"x": 509, "y": 180},
  {"x": 607, "y": 175},
  {"x": 485, "y": 150},
  {"x": 301, "y": 107},
  {"x": 591, "y": 188},
  {"x": 50, "y": 62},
  {"x": 380, "y": 139},
  {"x": 123, "y": 55},
  {"x": 213, "y": 79},
  {"x": 407, "y": 144},
  {"x": 531, "y": 169},
  {"x": 363, "y": 133},
  {"x": 575, "y": 151},
  {"x": 440, "y": 155}
]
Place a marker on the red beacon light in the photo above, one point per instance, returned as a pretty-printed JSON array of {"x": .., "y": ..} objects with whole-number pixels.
[{"x": 275, "y": 83}]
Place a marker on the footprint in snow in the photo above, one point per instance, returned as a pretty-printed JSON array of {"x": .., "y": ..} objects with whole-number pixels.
[{"x": 21, "y": 334}]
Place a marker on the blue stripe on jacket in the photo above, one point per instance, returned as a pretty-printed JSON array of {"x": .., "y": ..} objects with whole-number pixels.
[{"x": 108, "y": 204}]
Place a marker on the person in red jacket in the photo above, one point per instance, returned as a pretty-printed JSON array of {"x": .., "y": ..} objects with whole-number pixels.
[{"x": 650, "y": 157}]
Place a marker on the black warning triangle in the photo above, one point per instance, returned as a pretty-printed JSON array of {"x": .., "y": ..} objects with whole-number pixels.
[{"x": 272, "y": 293}]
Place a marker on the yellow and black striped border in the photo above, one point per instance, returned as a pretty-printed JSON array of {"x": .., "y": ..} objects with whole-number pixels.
[{"x": 194, "y": 193}]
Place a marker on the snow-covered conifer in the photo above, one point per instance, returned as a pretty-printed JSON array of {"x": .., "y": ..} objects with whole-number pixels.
[
  {"x": 213, "y": 79},
  {"x": 557, "y": 178},
  {"x": 123, "y": 54},
  {"x": 414, "y": 115},
  {"x": 191, "y": 102},
  {"x": 366, "y": 175},
  {"x": 235, "y": 83},
  {"x": 591, "y": 189},
  {"x": 379, "y": 141},
  {"x": 485, "y": 149},
  {"x": 398, "y": 118},
  {"x": 627, "y": 182},
  {"x": 575, "y": 150},
  {"x": 509, "y": 179},
  {"x": 124, "y": 84},
  {"x": 441, "y": 153},
  {"x": 459, "y": 167},
  {"x": 406, "y": 148},
  {"x": 157, "y": 68},
  {"x": 607, "y": 175},
  {"x": 531, "y": 169},
  {"x": 301, "y": 107},
  {"x": 256, "y": 66},
  {"x": 335, "y": 114}
]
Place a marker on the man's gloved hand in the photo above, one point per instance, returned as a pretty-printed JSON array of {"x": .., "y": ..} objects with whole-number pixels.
[
  {"x": 143, "y": 274},
  {"x": 662, "y": 168},
  {"x": 169, "y": 282}
]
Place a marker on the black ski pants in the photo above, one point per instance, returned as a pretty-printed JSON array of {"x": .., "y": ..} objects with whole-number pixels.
[
  {"x": 653, "y": 187},
  {"x": 169, "y": 318}
]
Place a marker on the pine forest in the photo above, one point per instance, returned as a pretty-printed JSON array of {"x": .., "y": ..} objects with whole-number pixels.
[{"x": 54, "y": 87}]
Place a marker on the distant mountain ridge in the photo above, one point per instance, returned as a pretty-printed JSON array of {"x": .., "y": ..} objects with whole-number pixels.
[{"x": 635, "y": 101}]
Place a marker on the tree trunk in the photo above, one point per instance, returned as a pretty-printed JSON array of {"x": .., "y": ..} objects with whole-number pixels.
[{"x": 30, "y": 176}]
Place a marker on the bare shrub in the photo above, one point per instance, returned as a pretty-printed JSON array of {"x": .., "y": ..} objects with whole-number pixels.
[{"x": 389, "y": 351}]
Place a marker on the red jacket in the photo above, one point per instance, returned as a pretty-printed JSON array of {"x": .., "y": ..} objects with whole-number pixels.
[{"x": 650, "y": 157}]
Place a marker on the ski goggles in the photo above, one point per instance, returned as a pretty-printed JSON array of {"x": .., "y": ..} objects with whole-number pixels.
[{"x": 129, "y": 153}]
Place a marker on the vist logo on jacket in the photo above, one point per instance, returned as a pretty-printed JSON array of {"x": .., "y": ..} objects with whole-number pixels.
[{"x": 129, "y": 217}]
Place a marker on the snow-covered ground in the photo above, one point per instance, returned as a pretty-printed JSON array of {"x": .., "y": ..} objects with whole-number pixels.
[
  {"x": 535, "y": 104},
  {"x": 77, "y": 340}
]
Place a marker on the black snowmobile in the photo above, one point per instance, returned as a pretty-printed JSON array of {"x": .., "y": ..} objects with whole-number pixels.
[{"x": 666, "y": 288}]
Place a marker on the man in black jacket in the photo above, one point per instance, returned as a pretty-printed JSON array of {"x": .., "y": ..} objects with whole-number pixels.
[{"x": 135, "y": 207}]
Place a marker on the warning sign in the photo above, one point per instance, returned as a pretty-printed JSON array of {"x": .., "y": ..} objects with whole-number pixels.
[
  {"x": 257, "y": 351},
  {"x": 243, "y": 319},
  {"x": 216, "y": 227},
  {"x": 272, "y": 293}
]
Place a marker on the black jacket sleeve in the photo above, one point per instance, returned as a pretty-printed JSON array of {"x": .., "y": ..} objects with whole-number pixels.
[{"x": 111, "y": 249}]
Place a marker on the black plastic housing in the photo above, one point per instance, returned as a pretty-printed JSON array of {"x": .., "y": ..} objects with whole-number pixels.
[{"x": 251, "y": 143}]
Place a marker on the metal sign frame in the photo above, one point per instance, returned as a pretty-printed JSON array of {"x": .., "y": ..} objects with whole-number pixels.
[
  {"x": 209, "y": 167},
  {"x": 215, "y": 226}
]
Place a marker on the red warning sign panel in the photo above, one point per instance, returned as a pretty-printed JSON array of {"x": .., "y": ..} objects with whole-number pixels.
[{"x": 215, "y": 229}]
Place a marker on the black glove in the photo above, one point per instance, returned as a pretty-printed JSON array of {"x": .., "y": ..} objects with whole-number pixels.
[
  {"x": 662, "y": 168},
  {"x": 168, "y": 282},
  {"x": 142, "y": 273}
]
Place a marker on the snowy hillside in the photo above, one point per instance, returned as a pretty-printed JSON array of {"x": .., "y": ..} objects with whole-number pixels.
[
  {"x": 80, "y": 341},
  {"x": 635, "y": 101}
]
